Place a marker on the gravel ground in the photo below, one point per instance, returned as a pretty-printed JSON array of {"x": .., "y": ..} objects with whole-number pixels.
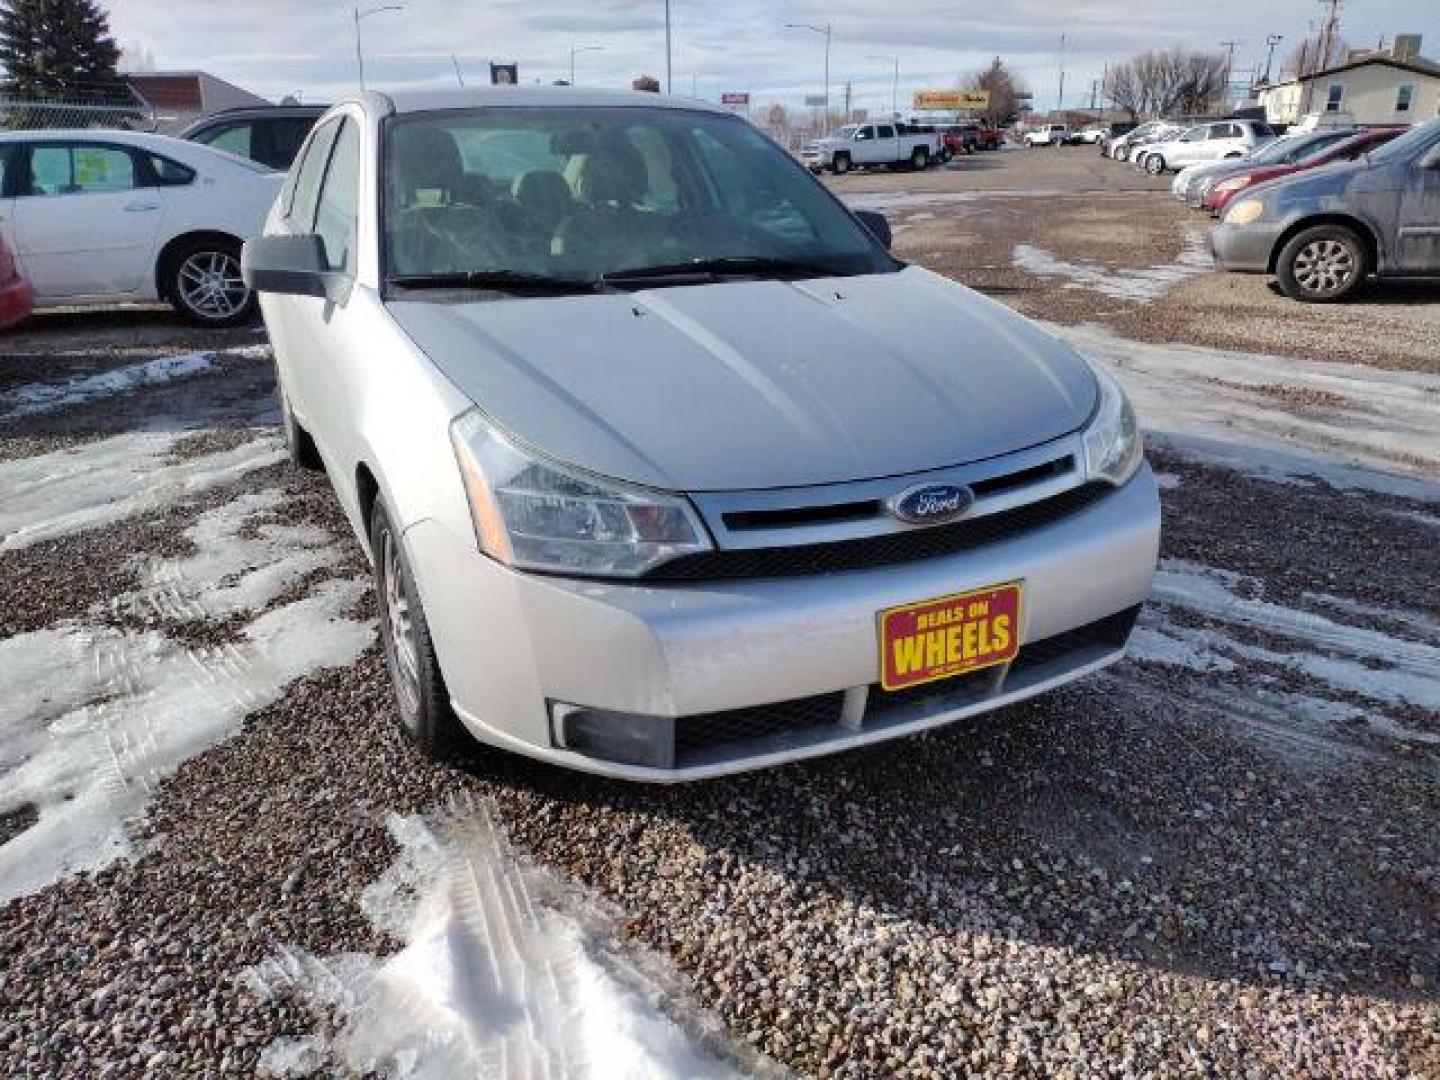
[{"x": 1167, "y": 870}]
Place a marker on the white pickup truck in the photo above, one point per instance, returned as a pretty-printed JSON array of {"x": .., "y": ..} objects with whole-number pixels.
[{"x": 870, "y": 144}]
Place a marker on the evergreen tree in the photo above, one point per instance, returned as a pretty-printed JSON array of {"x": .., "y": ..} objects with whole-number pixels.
[{"x": 59, "y": 49}]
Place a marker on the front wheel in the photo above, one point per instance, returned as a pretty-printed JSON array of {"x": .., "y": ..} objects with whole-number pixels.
[
  {"x": 204, "y": 284},
  {"x": 1154, "y": 164},
  {"x": 841, "y": 164},
  {"x": 1321, "y": 265},
  {"x": 425, "y": 713},
  {"x": 919, "y": 159}
]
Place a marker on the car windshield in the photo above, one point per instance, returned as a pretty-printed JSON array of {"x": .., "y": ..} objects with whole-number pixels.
[
  {"x": 1398, "y": 149},
  {"x": 575, "y": 194}
]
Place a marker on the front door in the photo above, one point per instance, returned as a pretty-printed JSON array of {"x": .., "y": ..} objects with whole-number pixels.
[
  {"x": 1417, "y": 239},
  {"x": 84, "y": 224}
]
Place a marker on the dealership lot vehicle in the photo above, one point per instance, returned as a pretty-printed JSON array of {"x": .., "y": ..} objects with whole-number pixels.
[
  {"x": 1049, "y": 135},
  {"x": 1219, "y": 194},
  {"x": 272, "y": 136},
  {"x": 1123, "y": 144},
  {"x": 1324, "y": 233},
  {"x": 860, "y": 145},
  {"x": 180, "y": 596},
  {"x": 1202, "y": 143},
  {"x": 1193, "y": 181},
  {"x": 17, "y": 296},
  {"x": 972, "y": 136},
  {"x": 95, "y": 217},
  {"x": 687, "y": 491}
]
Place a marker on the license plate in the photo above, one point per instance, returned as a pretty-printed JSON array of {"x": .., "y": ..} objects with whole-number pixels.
[{"x": 950, "y": 635}]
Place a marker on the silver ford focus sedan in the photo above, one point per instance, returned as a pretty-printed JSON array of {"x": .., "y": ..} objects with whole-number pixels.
[{"x": 667, "y": 468}]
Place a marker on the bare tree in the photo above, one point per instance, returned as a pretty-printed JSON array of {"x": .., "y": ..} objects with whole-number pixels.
[
  {"x": 1004, "y": 90},
  {"x": 1169, "y": 83},
  {"x": 1314, "y": 53}
]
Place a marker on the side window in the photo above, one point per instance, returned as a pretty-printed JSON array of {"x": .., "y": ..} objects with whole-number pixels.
[
  {"x": 80, "y": 169},
  {"x": 7, "y": 174},
  {"x": 169, "y": 173},
  {"x": 306, "y": 176},
  {"x": 885, "y": 131},
  {"x": 865, "y": 133},
  {"x": 1194, "y": 134},
  {"x": 237, "y": 138},
  {"x": 283, "y": 142},
  {"x": 338, "y": 211}
]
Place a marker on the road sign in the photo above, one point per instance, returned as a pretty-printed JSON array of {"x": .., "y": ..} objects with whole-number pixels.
[
  {"x": 815, "y": 100},
  {"x": 951, "y": 99},
  {"x": 735, "y": 98}
]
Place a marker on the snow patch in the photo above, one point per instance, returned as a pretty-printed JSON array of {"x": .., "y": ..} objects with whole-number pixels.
[
  {"x": 35, "y": 399},
  {"x": 94, "y": 484},
  {"x": 1141, "y": 284},
  {"x": 505, "y": 971}
]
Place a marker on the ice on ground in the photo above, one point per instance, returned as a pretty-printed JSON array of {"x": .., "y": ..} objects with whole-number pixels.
[
  {"x": 91, "y": 718},
  {"x": 1349, "y": 424},
  {"x": 94, "y": 484},
  {"x": 1141, "y": 284},
  {"x": 34, "y": 399},
  {"x": 1343, "y": 662},
  {"x": 894, "y": 201},
  {"x": 505, "y": 971}
]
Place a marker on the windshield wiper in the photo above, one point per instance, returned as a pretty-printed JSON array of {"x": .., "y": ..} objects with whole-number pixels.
[
  {"x": 728, "y": 266},
  {"x": 501, "y": 280}
]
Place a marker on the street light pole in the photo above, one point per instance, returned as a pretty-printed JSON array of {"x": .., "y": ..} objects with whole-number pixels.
[
  {"x": 894, "y": 81},
  {"x": 826, "y": 31},
  {"x": 1271, "y": 40},
  {"x": 579, "y": 49},
  {"x": 359, "y": 52},
  {"x": 669, "y": 89}
]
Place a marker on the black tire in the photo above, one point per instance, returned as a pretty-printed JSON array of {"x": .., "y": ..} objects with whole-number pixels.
[
  {"x": 425, "y": 715},
  {"x": 919, "y": 159},
  {"x": 299, "y": 446},
  {"x": 1154, "y": 164},
  {"x": 1322, "y": 264},
  {"x": 840, "y": 165},
  {"x": 201, "y": 279}
]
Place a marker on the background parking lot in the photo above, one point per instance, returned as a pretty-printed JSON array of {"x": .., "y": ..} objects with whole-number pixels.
[{"x": 1220, "y": 856}]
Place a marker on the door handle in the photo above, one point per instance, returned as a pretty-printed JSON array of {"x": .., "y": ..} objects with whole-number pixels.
[{"x": 136, "y": 207}]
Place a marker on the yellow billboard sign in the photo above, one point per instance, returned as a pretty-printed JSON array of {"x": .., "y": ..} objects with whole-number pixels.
[{"x": 951, "y": 99}]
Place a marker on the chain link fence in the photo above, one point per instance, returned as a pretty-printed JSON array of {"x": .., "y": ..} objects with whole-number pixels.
[{"x": 42, "y": 115}]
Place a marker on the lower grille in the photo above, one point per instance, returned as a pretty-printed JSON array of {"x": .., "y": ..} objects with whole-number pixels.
[
  {"x": 694, "y": 734},
  {"x": 870, "y": 551}
]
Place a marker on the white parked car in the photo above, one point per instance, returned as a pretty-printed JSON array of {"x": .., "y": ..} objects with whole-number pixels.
[
  {"x": 1151, "y": 131},
  {"x": 1091, "y": 135},
  {"x": 1202, "y": 143},
  {"x": 96, "y": 217},
  {"x": 1049, "y": 135}
]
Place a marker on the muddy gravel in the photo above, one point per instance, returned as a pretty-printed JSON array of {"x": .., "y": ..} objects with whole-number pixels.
[{"x": 1216, "y": 858}]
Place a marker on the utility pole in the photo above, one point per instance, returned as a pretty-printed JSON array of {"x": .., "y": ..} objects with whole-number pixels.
[
  {"x": 1094, "y": 93},
  {"x": 894, "y": 61},
  {"x": 1271, "y": 40},
  {"x": 1229, "y": 68},
  {"x": 1060, "y": 97},
  {"x": 847, "y": 101},
  {"x": 458, "y": 77},
  {"x": 668, "y": 88}
]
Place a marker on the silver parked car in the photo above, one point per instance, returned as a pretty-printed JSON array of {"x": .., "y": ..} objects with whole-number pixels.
[{"x": 667, "y": 468}]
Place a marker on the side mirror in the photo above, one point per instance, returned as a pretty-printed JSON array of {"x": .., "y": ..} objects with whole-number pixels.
[
  {"x": 878, "y": 227},
  {"x": 294, "y": 265}
]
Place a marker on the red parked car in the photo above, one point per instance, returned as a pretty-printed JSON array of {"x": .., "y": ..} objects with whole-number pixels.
[
  {"x": 971, "y": 136},
  {"x": 17, "y": 297},
  {"x": 1219, "y": 196}
]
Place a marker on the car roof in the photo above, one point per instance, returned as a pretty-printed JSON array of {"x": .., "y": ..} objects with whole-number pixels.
[
  {"x": 480, "y": 97},
  {"x": 115, "y": 135}
]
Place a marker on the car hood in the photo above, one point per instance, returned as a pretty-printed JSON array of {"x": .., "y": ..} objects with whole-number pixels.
[
  {"x": 1314, "y": 181},
  {"x": 759, "y": 384}
]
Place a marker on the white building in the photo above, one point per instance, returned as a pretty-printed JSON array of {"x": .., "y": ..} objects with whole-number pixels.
[{"x": 1374, "y": 89}]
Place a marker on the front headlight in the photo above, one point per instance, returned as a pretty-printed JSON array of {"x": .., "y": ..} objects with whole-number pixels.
[
  {"x": 1246, "y": 211},
  {"x": 535, "y": 514},
  {"x": 1233, "y": 184},
  {"x": 1113, "y": 450}
]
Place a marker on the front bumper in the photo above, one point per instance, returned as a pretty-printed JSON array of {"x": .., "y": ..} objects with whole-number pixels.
[
  {"x": 513, "y": 646},
  {"x": 1244, "y": 249}
]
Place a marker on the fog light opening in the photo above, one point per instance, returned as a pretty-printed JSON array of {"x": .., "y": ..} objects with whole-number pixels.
[{"x": 625, "y": 738}]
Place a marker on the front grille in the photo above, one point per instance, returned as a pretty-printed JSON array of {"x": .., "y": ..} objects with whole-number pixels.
[
  {"x": 694, "y": 734},
  {"x": 1108, "y": 633},
  {"x": 871, "y": 551}
]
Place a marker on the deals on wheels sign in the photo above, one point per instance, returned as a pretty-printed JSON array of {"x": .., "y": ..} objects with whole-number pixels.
[{"x": 951, "y": 99}]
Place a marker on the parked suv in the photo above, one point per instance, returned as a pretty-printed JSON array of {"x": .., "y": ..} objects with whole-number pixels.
[
  {"x": 1204, "y": 142},
  {"x": 666, "y": 480},
  {"x": 1323, "y": 232},
  {"x": 1047, "y": 135},
  {"x": 270, "y": 135}
]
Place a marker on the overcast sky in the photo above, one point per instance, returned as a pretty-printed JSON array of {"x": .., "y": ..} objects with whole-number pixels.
[{"x": 278, "y": 47}]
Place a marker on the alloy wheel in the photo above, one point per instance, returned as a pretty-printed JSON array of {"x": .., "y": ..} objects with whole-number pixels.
[
  {"x": 1324, "y": 266},
  {"x": 401, "y": 642},
  {"x": 210, "y": 284}
]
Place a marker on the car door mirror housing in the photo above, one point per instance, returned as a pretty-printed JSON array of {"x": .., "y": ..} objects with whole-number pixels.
[
  {"x": 878, "y": 226},
  {"x": 294, "y": 266}
]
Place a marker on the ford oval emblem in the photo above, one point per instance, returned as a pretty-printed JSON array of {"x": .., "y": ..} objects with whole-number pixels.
[{"x": 931, "y": 504}]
